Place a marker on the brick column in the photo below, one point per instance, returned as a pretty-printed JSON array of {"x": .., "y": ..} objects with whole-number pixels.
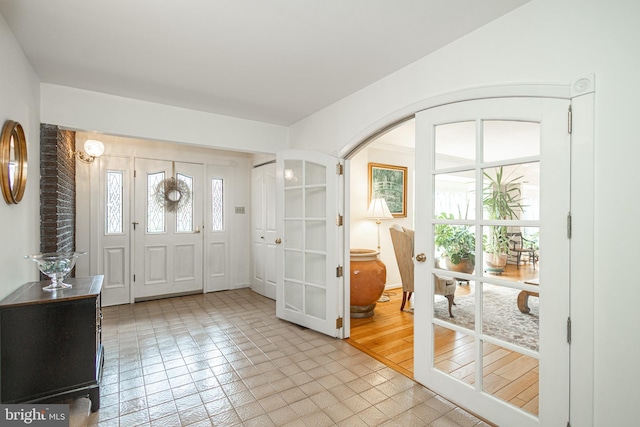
[{"x": 57, "y": 189}]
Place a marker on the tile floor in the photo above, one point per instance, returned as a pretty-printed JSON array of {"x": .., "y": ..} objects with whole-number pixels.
[{"x": 224, "y": 359}]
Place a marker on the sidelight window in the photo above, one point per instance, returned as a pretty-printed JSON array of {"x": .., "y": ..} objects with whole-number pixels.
[{"x": 114, "y": 203}]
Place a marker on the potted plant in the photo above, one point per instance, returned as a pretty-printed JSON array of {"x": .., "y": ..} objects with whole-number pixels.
[
  {"x": 457, "y": 244},
  {"x": 502, "y": 201}
]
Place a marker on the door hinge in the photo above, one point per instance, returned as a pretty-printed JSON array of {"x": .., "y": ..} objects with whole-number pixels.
[
  {"x": 339, "y": 323},
  {"x": 134, "y": 277},
  {"x": 339, "y": 220},
  {"x": 339, "y": 169},
  {"x": 570, "y": 120},
  {"x": 568, "y": 330},
  {"x": 569, "y": 225},
  {"x": 339, "y": 271},
  {"x": 568, "y": 424},
  {"x": 134, "y": 173}
]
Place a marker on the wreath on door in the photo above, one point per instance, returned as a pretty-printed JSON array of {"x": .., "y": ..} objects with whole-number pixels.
[{"x": 172, "y": 193}]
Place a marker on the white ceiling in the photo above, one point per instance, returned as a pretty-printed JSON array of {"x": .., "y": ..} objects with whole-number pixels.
[{"x": 275, "y": 61}]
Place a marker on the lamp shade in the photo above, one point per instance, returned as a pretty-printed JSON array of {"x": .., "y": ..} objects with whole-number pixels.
[
  {"x": 378, "y": 209},
  {"x": 93, "y": 148}
]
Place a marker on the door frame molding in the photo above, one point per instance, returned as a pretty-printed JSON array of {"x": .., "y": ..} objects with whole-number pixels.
[
  {"x": 581, "y": 92},
  {"x": 388, "y": 122}
]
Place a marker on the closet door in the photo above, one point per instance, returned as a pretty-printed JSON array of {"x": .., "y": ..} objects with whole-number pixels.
[{"x": 263, "y": 230}]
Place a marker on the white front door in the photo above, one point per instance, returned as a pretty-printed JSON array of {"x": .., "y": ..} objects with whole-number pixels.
[
  {"x": 308, "y": 282},
  {"x": 168, "y": 242},
  {"x": 492, "y": 357},
  {"x": 263, "y": 229}
]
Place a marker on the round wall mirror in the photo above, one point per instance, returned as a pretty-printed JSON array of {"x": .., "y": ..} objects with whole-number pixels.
[{"x": 13, "y": 161}]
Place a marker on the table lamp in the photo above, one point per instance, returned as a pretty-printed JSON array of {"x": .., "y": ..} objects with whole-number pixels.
[{"x": 378, "y": 210}]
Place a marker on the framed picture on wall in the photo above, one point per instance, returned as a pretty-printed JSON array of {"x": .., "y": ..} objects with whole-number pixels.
[{"x": 390, "y": 183}]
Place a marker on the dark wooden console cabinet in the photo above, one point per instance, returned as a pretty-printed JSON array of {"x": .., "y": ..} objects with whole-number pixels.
[{"x": 51, "y": 343}]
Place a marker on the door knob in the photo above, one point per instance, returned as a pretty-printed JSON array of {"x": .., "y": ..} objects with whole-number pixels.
[
  {"x": 278, "y": 241},
  {"x": 197, "y": 230},
  {"x": 421, "y": 257}
]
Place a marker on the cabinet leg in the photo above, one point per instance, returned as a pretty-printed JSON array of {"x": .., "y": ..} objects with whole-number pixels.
[{"x": 94, "y": 396}]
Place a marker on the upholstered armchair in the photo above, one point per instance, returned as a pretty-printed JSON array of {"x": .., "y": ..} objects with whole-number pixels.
[
  {"x": 403, "y": 248},
  {"x": 402, "y": 239}
]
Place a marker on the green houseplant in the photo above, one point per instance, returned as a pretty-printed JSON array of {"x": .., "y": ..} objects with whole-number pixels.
[
  {"x": 457, "y": 244},
  {"x": 501, "y": 200}
]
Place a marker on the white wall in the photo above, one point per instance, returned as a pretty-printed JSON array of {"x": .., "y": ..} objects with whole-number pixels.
[
  {"x": 545, "y": 41},
  {"x": 98, "y": 112},
  {"x": 19, "y": 224},
  {"x": 363, "y": 231}
]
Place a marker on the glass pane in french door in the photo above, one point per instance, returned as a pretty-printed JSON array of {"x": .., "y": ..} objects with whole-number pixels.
[
  {"x": 455, "y": 353},
  {"x": 455, "y": 145},
  {"x": 511, "y": 376},
  {"x": 504, "y": 317},
  {"x": 455, "y": 195},
  {"x": 498, "y": 142}
]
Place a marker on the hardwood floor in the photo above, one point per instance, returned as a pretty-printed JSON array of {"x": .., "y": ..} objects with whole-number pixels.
[{"x": 388, "y": 337}]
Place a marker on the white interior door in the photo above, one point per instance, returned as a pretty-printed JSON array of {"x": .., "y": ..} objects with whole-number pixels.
[
  {"x": 506, "y": 365},
  {"x": 263, "y": 229},
  {"x": 168, "y": 243},
  {"x": 308, "y": 283}
]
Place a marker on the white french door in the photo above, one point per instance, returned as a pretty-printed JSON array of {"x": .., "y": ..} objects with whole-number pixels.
[
  {"x": 500, "y": 362},
  {"x": 168, "y": 242},
  {"x": 307, "y": 244}
]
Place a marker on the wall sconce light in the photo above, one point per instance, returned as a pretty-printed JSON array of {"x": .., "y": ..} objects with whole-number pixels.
[{"x": 92, "y": 149}]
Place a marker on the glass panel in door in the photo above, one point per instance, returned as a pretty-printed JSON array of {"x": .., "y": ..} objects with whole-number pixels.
[{"x": 184, "y": 213}]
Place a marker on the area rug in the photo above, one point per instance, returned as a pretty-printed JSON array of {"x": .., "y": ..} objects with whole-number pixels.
[{"x": 501, "y": 317}]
